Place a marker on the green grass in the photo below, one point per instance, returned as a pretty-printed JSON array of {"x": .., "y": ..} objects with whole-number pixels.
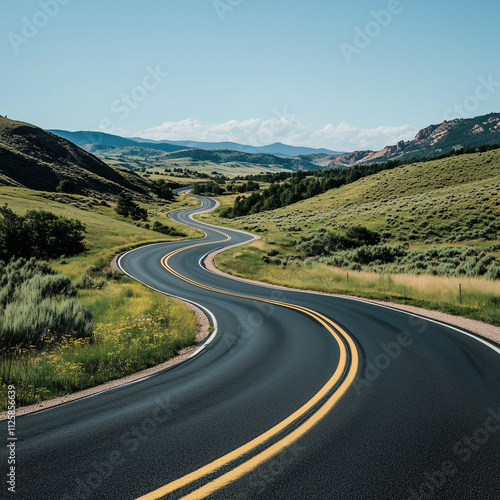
[
  {"x": 107, "y": 232},
  {"x": 480, "y": 298},
  {"x": 448, "y": 202},
  {"x": 134, "y": 327}
]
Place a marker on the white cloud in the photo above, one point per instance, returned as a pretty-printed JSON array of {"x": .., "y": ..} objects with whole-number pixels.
[{"x": 257, "y": 132}]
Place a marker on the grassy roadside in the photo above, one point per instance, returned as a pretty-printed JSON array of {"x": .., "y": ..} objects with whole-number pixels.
[
  {"x": 480, "y": 298},
  {"x": 441, "y": 217},
  {"x": 134, "y": 328}
]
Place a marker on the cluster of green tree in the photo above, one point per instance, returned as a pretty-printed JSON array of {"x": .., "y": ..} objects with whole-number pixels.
[
  {"x": 192, "y": 174},
  {"x": 288, "y": 188},
  {"x": 39, "y": 234},
  {"x": 324, "y": 243},
  {"x": 246, "y": 187},
  {"x": 209, "y": 188},
  {"x": 162, "y": 189},
  {"x": 37, "y": 306},
  {"x": 127, "y": 207},
  {"x": 164, "y": 229}
]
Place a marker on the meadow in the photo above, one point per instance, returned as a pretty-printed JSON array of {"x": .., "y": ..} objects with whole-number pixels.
[
  {"x": 132, "y": 327},
  {"x": 439, "y": 225}
]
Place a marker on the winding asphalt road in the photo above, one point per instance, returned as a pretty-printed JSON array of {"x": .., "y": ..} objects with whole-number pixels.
[{"x": 294, "y": 396}]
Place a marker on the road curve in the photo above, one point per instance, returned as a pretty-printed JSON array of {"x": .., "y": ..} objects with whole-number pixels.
[{"x": 296, "y": 395}]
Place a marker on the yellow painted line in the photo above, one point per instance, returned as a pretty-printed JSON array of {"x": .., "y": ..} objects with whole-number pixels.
[
  {"x": 252, "y": 463},
  {"x": 267, "y": 454}
]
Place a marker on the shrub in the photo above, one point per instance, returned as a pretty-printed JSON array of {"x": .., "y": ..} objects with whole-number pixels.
[
  {"x": 494, "y": 271},
  {"x": 129, "y": 208},
  {"x": 43, "y": 234},
  {"x": 164, "y": 229},
  {"x": 28, "y": 314},
  {"x": 88, "y": 283}
]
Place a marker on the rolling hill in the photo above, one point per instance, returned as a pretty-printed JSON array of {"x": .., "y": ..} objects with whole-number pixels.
[
  {"x": 452, "y": 199},
  {"x": 93, "y": 139},
  {"x": 431, "y": 141},
  {"x": 33, "y": 158}
]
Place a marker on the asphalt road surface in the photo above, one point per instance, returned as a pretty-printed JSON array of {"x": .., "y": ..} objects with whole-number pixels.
[{"x": 294, "y": 396}]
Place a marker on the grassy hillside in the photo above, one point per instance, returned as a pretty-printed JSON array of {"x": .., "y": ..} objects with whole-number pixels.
[
  {"x": 107, "y": 232},
  {"x": 33, "y": 158},
  {"x": 133, "y": 327},
  {"x": 440, "y": 219},
  {"x": 443, "y": 200}
]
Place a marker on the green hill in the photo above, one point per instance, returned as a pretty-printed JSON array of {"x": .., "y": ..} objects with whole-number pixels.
[
  {"x": 36, "y": 159},
  {"x": 434, "y": 229},
  {"x": 440, "y": 200}
]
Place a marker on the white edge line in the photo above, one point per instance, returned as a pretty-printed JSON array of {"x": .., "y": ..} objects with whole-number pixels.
[
  {"x": 357, "y": 299},
  {"x": 204, "y": 309},
  {"x": 146, "y": 377}
]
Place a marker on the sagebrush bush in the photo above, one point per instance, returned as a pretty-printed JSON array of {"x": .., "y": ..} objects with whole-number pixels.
[{"x": 36, "y": 305}]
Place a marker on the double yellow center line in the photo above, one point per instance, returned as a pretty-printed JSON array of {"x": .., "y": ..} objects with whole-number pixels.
[{"x": 344, "y": 373}]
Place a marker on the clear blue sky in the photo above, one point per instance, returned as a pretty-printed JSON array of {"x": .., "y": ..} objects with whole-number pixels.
[{"x": 236, "y": 67}]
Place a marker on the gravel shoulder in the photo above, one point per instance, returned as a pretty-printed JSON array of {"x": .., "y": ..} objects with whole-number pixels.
[
  {"x": 484, "y": 330},
  {"x": 201, "y": 334}
]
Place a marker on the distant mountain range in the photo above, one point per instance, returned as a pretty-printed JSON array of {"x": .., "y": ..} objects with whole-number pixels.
[
  {"x": 88, "y": 138},
  {"x": 33, "y": 158},
  {"x": 99, "y": 138},
  {"x": 38, "y": 159},
  {"x": 277, "y": 149},
  {"x": 431, "y": 141}
]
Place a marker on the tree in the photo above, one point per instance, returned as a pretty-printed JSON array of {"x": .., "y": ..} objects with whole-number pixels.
[
  {"x": 161, "y": 189},
  {"x": 127, "y": 207},
  {"x": 39, "y": 234}
]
